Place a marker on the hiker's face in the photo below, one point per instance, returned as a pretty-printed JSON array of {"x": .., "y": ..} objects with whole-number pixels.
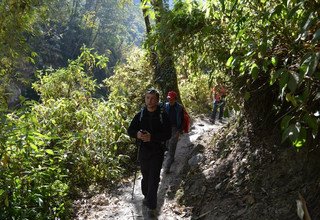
[
  {"x": 171, "y": 101},
  {"x": 151, "y": 101}
]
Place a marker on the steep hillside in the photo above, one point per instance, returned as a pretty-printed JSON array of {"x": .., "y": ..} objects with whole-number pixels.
[{"x": 246, "y": 174}]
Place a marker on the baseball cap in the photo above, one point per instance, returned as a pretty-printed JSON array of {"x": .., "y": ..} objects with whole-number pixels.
[{"x": 172, "y": 95}]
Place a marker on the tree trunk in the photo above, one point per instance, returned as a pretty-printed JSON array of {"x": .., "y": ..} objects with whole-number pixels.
[{"x": 165, "y": 75}]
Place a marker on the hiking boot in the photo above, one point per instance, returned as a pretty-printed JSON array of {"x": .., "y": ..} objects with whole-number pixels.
[{"x": 152, "y": 213}]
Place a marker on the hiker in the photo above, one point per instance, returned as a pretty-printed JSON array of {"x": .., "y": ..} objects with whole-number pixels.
[
  {"x": 151, "y": 127},
  {"x": 175, "y": 112},
  {"x": 218, "y": 94}
]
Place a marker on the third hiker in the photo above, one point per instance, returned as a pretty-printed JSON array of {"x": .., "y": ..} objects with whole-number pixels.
[{"x": 218, "y": 96}]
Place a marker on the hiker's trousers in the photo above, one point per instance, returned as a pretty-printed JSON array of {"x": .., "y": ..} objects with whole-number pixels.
[
  {"x": 216, "y": 105},
  {"x": 172, "y": 146},
  {"x": 150, "y": 169}
]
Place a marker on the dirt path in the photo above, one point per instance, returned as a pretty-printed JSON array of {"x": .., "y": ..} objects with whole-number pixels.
[{"x": 121, "y": 205}]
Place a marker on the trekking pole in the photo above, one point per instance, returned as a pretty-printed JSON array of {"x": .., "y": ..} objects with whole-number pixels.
[{"x": 136, "y": 167}]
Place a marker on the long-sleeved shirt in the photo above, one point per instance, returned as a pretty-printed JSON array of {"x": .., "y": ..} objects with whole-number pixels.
[
  {"x": 157, "y": 125},
  {"x": 175, "y": 112},
  {"x": 218, "y": 93}
]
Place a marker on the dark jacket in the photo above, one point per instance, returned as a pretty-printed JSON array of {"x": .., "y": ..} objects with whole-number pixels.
[
  {"x": 158, "y": 126},
  {"x": 175, "y": 113}
]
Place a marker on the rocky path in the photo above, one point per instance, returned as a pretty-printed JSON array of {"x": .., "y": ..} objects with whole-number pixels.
[{"x": 121, "y": 205}]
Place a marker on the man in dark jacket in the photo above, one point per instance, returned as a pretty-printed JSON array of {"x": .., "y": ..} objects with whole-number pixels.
[
  {"x": 175, "y": 112},
  {"x": 151, "y": 126}
]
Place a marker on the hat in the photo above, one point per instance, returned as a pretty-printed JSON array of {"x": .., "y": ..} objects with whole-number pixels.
[{"x": 172, "y": 95}]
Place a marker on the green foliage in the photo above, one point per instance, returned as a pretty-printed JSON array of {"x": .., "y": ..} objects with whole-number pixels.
[
  {"x": 281, "y": 50},
  {"x": 33, "y": 184},
  {"x": 195, "y": 94},
  {"x": 107, "y": 26},
  {"x": 131, "y": 80},
  {"x": 61, "y": 84},
  {"x": 69, "y": 140},
  {"x": 17, "y": 19},
  {"x": 266, "y": 51}
]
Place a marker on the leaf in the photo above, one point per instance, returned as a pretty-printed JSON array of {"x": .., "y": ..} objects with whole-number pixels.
[
  {"x": 284, "y": 77},
  {"x": 276, "y": 11},
  {"x": 308, "y": 22},
  {"x": 301, "y": 139},
  {"x": 274, "y": 61},
  {"x": 263, "y": 47},
  {"x": 40, "y": 202},
  {"x": 229, "y": 61},
  {"x": 291, "y": 132},
  {"x": 6, "y": 201},
  {"x": 309, "y": 64},
  {"x": 285, "y": 121},
  {"x": 292, "y": 99},
  {"x": 247, "y": 96},
  {"x": 316, "y": 36},
  {"x": 49, "y": 151},
  {"x": 275, "y": 76},
  {"x": 254, "y": 71},
  {"x": 223, "y": 5},
  {"x": 294, "y": 10},
  {"x": 34, "y": 147},
  {"x": 294, "y": 79},
  {"x": 312, "y": 123}
]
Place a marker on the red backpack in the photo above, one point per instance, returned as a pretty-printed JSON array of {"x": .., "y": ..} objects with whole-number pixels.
[{"x": 186, "y": 121}]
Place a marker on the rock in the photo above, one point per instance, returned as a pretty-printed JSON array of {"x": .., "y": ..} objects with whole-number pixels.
[
  {"x": 249, "y": 199},
  {"x": 195, "y": 160},
  {"x": 218, "y": 186}
]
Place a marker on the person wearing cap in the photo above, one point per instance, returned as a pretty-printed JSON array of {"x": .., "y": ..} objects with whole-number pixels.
[
  {"x": 151, "y": 127},
  {"x": 175, "y": 112}
]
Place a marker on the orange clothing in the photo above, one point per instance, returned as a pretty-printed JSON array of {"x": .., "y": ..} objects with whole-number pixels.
[{"x": 218, "y": 92}]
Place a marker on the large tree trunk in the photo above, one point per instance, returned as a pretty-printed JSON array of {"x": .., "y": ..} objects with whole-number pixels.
[{"x": 165, "y": 75}]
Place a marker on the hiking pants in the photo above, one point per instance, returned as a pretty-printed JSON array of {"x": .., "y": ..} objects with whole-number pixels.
[
  {"x": 150, "y": 169},
  {"x": 172, "y": 146},
  {"x": 216, "y": 105}
]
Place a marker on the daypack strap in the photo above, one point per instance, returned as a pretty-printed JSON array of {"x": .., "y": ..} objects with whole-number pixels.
[
  {"x": 141, "y": 114},
  {"x": 161, "y": 113}
]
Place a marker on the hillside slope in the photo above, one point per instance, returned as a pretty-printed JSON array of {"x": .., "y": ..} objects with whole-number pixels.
[{"x": 246, "y": 174}]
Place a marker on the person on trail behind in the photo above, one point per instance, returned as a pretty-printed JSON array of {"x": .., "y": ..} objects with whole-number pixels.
[
  {"x": 151, "y": 127},
  {"x": 175, "y": 112},
  {"x": 218, "y": 94}
]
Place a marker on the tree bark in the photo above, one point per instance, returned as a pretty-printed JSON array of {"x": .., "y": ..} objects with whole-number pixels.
[{"x": 165, "y": 75}]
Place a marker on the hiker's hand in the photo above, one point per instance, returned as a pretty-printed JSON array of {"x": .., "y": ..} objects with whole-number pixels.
[
  {"x": 139, "y": 134},
  {"x": 144, "y": 136}
]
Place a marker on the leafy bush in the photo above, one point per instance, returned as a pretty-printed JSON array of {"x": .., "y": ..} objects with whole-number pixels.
[
  {"x": 68, "y": 140},
  {"x": 195, "y": 94},
  {"x": 268, "y": 52}
]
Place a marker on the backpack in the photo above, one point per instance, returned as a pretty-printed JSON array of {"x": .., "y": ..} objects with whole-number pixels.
[
  {"x": 186, "y": 121},
  {"x": 161, "y": 113},
  {"x": 186, "y": 118}
]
